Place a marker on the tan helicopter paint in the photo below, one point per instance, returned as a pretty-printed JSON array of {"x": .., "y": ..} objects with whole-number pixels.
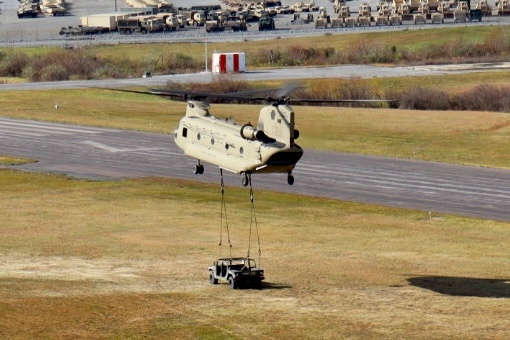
[{"x": 269, "y": 147}]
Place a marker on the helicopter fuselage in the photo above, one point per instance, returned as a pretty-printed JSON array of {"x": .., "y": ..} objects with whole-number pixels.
[{"x": 268, "y": 147}]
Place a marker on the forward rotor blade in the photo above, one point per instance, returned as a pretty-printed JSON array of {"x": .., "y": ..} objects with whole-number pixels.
[
  {"x": 190, "y": 94},
  {"x": 290, "y": 87}
]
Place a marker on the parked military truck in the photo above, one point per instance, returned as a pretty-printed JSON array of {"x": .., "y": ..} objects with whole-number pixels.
[
  {"x": 323, "y": 20},
  {"x": 28, "y": 9},
  {"x": 266, "y": 24},
  {"x": 193, "y": 17},
  {"x": 55, "y": 10},
  {"x": 53, "y": 7},
  {"x": 140, "y": 25},
  {"x": 170, "y": 20},
  {"x": 222, "y": 24},
  {"x": 107, "y": 20}
]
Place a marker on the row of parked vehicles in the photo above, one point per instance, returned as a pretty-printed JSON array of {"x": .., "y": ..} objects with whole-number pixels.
[
  {"x": 417, "y": 11},
  {"x": 166, "y": 18}
]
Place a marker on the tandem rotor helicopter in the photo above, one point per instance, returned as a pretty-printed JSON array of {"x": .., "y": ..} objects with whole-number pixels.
[{"x": 267, "y": 147}]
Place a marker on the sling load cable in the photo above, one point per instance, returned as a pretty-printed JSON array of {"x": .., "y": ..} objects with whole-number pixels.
[
  {"x": 253, "y": 220},
  {"x": 224, "y": 210}
]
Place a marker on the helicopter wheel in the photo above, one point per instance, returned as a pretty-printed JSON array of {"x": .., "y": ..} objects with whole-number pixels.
[
  {"x": 198, "y": 169},
  {"x": 245, "y": 181},
  {"x": 290, "y": 179}
]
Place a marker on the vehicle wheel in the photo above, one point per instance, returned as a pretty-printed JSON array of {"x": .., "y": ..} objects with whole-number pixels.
[
  {"x": 290, "y": 179},
  {"x": 257, "y": 284},
  {"x": 232, "y": 283},
  {"x": 198, "y": 169},
  {"x": 212, "y": 279}
]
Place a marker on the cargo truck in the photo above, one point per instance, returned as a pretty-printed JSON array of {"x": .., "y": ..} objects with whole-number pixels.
[
  {"x": 234, "y": 24},
  {"x": 28, "y": 9},
  {"x": 140, "y": 25},
  {"x": 107, "y": 20}
]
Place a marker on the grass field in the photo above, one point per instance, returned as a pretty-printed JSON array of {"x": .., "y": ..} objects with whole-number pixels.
[
  {"x": 410, "y": 40},
  {"x": 129, "y": 259}
]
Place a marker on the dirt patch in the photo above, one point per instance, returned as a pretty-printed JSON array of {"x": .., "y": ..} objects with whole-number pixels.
[{"x": 103, "y": 276}]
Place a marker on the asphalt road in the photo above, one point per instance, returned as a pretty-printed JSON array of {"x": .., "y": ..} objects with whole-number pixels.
[
  {"x": 99, "y": 154},
  {"x": 343, "y": 71}
]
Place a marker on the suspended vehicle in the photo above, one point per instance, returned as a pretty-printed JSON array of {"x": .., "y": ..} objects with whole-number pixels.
[{"x": 238, "y": 272}]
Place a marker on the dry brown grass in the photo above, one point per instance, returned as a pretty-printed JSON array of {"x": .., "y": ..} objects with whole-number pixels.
[{"x": 129, "y": 260}]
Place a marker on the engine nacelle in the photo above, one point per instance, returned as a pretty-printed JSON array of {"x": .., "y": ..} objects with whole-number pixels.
[{"x": 249, "y": 132}]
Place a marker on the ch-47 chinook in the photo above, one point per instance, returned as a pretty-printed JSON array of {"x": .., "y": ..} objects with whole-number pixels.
[{"x": 267, "y": 147}]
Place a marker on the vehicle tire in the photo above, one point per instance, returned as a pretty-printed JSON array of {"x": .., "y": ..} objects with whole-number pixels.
[
  {"x": 212, "y": 279},
  {"x": 290, "y": 180},
  {"x": 232, "y": 283},
  {"x": 257, "y": 284}
]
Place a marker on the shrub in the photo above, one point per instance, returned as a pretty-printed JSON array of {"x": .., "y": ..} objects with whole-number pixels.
[
  {"x": 54, "y": 72},
  {"x": 484, "y": 98},
  {"x": 30, "y": 73},
  {"x": 293, "y": 56},
  {"x": 220, "y": 84},
  {"x": 12, "y": 64},
  {"x": 421, "y": 98},
  {"x": 177, "y": 63}
]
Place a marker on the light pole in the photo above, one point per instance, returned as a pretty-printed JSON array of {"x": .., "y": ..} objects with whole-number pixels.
[{"x": 206, "y": 59}]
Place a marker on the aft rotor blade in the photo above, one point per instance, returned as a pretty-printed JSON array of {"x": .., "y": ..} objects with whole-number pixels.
[{"x": 332, "y": 101}]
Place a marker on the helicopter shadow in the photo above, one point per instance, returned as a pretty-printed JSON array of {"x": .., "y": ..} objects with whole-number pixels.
[{"x": 463, "y": 286}]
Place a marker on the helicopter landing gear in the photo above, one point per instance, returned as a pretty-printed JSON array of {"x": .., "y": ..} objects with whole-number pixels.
[
  {"x": 290, "y": 178},
  {"x": 198, "y": 169},
  {"x": 246, "y": 179}
]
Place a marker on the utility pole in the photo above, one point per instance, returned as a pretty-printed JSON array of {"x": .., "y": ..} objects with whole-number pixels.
[{"x": 206, "y": 59}]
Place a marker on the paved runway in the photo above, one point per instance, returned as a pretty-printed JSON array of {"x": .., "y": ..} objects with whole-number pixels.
[{"x": 96, "y": 153}]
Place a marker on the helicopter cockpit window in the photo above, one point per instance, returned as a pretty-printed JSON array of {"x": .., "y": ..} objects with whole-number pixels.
[{"x": 185, "y": 132}]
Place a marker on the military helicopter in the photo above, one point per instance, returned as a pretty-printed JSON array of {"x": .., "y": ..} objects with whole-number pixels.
[{"x": 267, "y": 147}]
